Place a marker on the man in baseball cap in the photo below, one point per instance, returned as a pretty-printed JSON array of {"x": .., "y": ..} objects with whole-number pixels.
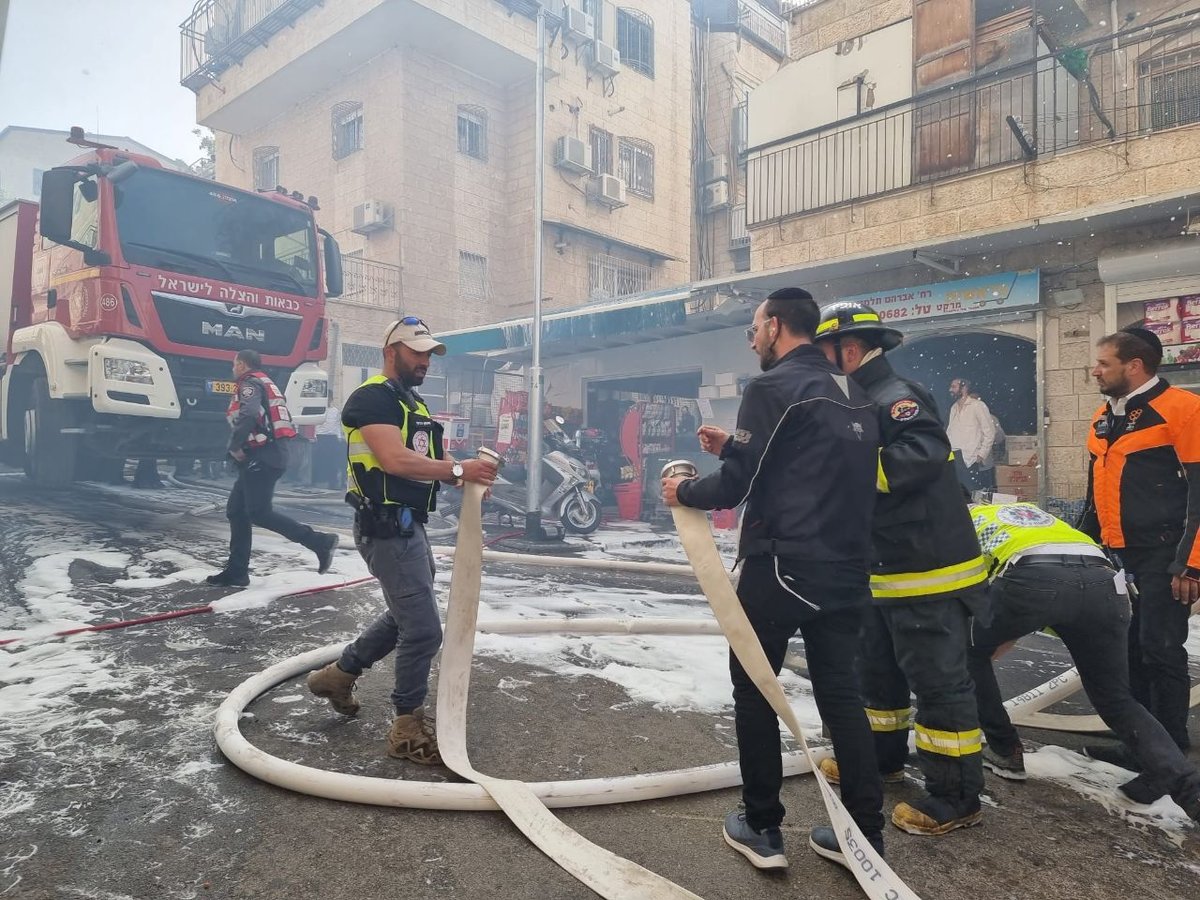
[{"x": 414, "y": 334}]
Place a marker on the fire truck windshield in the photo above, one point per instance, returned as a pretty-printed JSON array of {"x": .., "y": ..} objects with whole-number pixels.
[{"x": 186, "y": 225}]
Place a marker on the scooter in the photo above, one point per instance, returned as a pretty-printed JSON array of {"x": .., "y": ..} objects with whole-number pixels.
[{"x": 567, "y": 493}]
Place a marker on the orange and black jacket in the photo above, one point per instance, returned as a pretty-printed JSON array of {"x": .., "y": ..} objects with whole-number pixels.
[{"x": 1144, "y": 479}]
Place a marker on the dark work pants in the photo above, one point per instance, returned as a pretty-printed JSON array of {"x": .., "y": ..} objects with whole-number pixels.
[
  {"x": 1158, "y": 660},
  {"x": 1080, "y": 602},
  {"x": 922, "y": 646},
  {"x": 249, "y": 504},
  {"x": 830, "y": 640}
]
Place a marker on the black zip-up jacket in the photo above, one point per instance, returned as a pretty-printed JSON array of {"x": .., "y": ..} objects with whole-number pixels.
[
  {"x": 803, "y": 459},
  {"x": 925, "y": 544}
]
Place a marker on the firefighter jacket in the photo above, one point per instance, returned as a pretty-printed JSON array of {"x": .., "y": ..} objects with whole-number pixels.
[
  {"x": 1144, "y": 477},
  {"x": 1009, "y": 531},
  {"x": 803, "y": 460},
  {"x": 257, "y": 414},
  {"x": 924, "y": 544},
  {"x": 381, "y": 401}
]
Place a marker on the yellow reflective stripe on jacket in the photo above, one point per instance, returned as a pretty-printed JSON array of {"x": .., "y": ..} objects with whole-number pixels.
[
  {"x": 889, "y": 719},
  {"x": 949, "y": 743},
  {"x": 881, "y": 482},
  {"x": 935, "y": 581}
]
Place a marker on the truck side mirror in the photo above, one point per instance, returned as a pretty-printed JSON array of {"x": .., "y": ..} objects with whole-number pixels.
[
  {"x": 333, "y": 266},
  {"x": 58, "y": 204}
]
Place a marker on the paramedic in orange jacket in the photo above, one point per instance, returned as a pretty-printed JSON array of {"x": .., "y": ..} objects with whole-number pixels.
[{"x": 1144, "y": 503}]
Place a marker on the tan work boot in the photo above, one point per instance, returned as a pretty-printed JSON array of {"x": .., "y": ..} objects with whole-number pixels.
[
  {"x": 337, "y": 687},
  {"x": 413, "y": 738},
  {"x": 829, "y": 768}
]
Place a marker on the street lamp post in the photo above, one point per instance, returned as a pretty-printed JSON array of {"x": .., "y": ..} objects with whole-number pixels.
[{"x": 533, "y": 497}]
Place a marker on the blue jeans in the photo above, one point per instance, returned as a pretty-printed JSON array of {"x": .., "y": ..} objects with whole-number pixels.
[{"x": 410, "y": 624}]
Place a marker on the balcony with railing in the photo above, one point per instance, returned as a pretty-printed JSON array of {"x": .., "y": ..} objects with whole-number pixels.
[
  {"x": 610, "y": 277},
  {"x": 1136, "y": 83},
  {"x": 221, "y": 33},
  {"x": 370, "y": 283},
  {"x": 753, "y": 21}
]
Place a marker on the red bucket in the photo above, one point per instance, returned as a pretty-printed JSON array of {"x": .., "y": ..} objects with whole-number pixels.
[{"x": 629, "y": 500}]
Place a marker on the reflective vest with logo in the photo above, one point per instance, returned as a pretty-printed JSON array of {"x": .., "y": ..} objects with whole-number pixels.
[
  {"x": 275, "y": 424},
  {"x": 1007, "y": 529},
  {"x": 421, "y": 434}
]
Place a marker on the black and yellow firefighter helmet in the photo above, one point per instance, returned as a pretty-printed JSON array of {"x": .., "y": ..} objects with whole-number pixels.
[{"x": 857, "y": 319}]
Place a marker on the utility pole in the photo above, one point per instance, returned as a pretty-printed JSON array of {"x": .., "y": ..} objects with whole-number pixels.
[{"x": 533, "y": 498}]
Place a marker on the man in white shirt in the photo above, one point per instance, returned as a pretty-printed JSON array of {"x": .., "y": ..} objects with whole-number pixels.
[{"x": 972, "y": 432}]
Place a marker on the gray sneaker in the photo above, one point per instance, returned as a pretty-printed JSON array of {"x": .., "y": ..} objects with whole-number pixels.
[
  {"x": 763, "y": 848},
  {"x": 823, "y": 841},
  {"x": 1011, "y": 766}
]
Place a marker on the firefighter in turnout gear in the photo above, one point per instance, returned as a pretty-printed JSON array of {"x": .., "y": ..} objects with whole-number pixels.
[
  {"x": 259, "y": 424},
  {"x": 395, "y": 463},
  {"x": 1046, "y": 574},
  {"x": 927, "y": 580}
]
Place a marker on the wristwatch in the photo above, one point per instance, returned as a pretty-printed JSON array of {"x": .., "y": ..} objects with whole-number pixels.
[{"x": 457, "y": 471}]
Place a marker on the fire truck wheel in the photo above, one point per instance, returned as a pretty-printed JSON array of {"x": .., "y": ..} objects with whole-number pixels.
[{"x": 50, "y": 455}]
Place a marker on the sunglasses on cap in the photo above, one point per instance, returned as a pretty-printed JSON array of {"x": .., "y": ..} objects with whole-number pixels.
[{"x": 407, "y": 320}]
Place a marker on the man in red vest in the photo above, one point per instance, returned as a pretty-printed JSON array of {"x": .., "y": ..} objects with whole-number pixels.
[{"x": 260, "y": 423}]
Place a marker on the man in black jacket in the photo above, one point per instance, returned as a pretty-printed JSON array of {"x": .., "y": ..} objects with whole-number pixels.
[
  {"x": 927, "y": 579},
  {"x": 803, "y": 460}
]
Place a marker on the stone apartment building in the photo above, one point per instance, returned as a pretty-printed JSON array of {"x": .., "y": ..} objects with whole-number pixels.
[
  {"x": 943, "y": 147},
  {"x": 413, "y": 122}
]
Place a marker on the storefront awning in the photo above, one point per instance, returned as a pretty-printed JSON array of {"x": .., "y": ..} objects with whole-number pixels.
[{"x": 596, "y": 326}]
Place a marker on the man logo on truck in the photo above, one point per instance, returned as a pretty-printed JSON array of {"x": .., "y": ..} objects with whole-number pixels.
[{"x": 233, "y": 331}]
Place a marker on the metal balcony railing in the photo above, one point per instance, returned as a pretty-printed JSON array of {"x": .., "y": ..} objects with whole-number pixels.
[
  {"x": 370, "y": 283},
  {"x": 221, "y": 33},
  {"x": 749, "y": 18},
  {"x": 610, "y": 277},
  {"x": 1143, "y": 80}
]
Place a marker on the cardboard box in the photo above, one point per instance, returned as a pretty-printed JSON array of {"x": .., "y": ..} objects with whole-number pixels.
[
  {"x": 1014, "y": 476},
  {"x": 1020, "y": 493},
  {"x": 1022, "y": 449},
  {"x": 1021, "y": 457},
  {"x": 1168, "y": 332},
  {"x": 723, "y": 378},
  {"x": 709, "y": 391},
  {"x": 727, "y": 390},
  {"x": 1165, "y": 310},
  {"x": 1189, "y": 306}
]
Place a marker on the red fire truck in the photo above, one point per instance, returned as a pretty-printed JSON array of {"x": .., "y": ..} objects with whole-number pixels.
[{"x": 124, "y": 296}]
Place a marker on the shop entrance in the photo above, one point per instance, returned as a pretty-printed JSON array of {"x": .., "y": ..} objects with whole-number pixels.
[
  {"x": 1002, "y": 370},
  {"x": 638, "y": 425}
]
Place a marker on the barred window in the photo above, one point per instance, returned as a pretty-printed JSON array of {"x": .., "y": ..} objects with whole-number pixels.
[
  {"x": 635, "y": 40},
  {"x": 602, "y": 150},
  {"x": 1170, "y": 87},
  {"x": 347, "y": 125},
  {"x": 472, "y": 277},
  {"x": 472, "y": 131},
  {"x": 636, "y": 166},
  {"x": 266, "y": 168}
]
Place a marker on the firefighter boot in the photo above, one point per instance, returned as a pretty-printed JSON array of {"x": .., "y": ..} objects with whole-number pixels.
[
  {"x": 934, "y": 815},
  {"x": 413, "y": 738},
  {"x": 335, "y": 686},
  {"x": 829, "y": 768}
]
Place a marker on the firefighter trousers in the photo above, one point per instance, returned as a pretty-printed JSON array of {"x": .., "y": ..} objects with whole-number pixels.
[{"x": 921, "y": 646}]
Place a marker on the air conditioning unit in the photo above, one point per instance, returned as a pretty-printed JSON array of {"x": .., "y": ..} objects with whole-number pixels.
[
  {"x": 609, "y": 190},
  {"x": 371, "y": 216},
  {"x": 573, "y": 155},
  {"x": 716, "y": 196},
  {"x": 605, "y": 59},
  {"x": 715, "y": 168},
  {"x": 577, "y": 23}
]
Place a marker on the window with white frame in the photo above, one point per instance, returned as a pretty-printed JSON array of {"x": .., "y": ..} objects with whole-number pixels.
[
  {"x": 266, "y": 168},
  {"x": 472, "y": 131},
  {"x": 595, "y": 9},
  {"x": 635, "y": 41},
  {"x": 347, "y": 126},
  {"x": 472, "y": 278},
  {"x": 635, "y": 166}
]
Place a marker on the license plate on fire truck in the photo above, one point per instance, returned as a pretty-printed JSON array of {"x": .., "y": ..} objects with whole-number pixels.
[{"x": 221, "y": 387}]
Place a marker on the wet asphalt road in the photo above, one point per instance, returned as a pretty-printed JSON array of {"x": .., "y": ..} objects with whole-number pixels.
[{"x": 111, "y": 786}]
